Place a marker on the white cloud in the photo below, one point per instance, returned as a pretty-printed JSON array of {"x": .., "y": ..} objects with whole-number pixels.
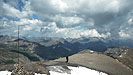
[
  {"x": 67, "y": 21},
  {"x": 124, "y": 35},
  {"x": 27, "y": 22},
  {"x": 29, "y": 26},
  {"x": 74, "y": 32},
  {"x": 12, "y": 12},
  {"x": 9, "y": 10},
  {"x": 130, "y": 18},
  {"x": 70, "y": 18},
  {"x": 59, "y": 4},
  {"x": 126, "y": 29},
  {"x": 113, "y": 6},
  {"x": 130, "y": 21}
]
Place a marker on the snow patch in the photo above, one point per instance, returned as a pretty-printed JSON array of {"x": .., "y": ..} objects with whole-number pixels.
[
  {"x": 9, "y": 73},
  {"x": 65, "y": 70},
  {"x": 125, "y": 53},
  {"x": 92, "y": 51},
  {"x": 75, "y": 71},
  {"x": 120, "y": 55},
  {"x": 5, "y": 73},
  {"x": 39, "y": 74}
]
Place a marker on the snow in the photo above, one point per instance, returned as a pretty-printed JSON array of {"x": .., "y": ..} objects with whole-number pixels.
[
  {"x": 120, "y": 55},
  {"x": 9, "y": 73},
  {"x": 73, "y": 71},
  {"x": 39, "y": 74},
  {"x": 5, "y": 73},
  {"x": 125, "y": 53},
  {"x": 84, "y": 71},
  {"x": 91, "y": 51},
  {"x": 78, "y": 71},
  {"x": 57, "y": 73}
]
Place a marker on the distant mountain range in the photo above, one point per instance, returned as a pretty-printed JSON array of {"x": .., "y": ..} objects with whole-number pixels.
[
  {"x": 79, "y": 44},
  {"x": 28, "y": 50},
  {"x": 37, "y": 49}
]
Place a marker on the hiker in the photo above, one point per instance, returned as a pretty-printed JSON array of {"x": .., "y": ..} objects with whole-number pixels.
[{"x": 67, "y": 59}]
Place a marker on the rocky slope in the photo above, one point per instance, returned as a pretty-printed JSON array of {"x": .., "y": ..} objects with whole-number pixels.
[
  {"x": 100, "y": 62},
  {"x": 122, "y": 54},
  {"x": 10, "y": 54}
]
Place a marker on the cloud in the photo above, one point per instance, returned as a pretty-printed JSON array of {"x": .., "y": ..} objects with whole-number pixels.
[
  {"x": 125, "y": 30},
  {"x": 27, "y": 27},
  {"x": 69, "y": 18},
  {"x": 12, "y": 12},
  {"x": 27, "y": 22},
  {"x": 8, "y": 10},
  {"x": 83, "y": 7},
  {"x": 75, "y": 32},
  {"x": 104, "y": 16},
  {"x": 63, "y": 21},
  {"x": 124, "y": 35},
  {"x": 97, "y": 10}
]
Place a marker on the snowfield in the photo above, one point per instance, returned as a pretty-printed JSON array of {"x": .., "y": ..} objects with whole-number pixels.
[
  {"x": 58, "y": 70},
  {"x": 5, "y": 73},
  {"x": 9, "y": 73},
  {"x": 69, "y": 70}
]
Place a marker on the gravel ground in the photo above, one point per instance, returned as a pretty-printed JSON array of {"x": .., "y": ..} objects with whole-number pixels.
[{"x": 99, "y": 62}]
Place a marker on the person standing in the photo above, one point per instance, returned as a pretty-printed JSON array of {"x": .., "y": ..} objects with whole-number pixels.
[{"x": 67, "y": 59}]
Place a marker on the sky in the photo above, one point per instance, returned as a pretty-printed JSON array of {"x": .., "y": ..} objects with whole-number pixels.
[{"x": 67, "y": 18}]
